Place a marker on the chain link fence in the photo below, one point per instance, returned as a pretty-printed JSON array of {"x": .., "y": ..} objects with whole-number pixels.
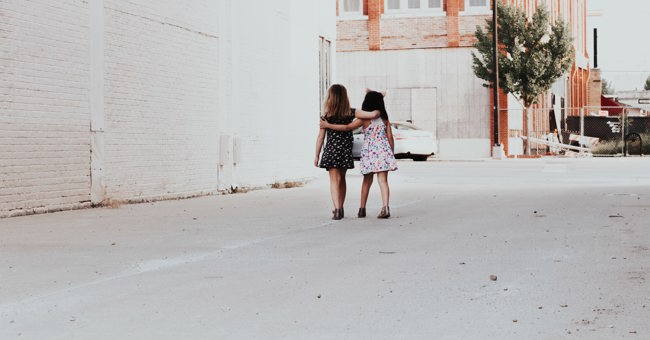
[
  {"x": 599, "y": 131},
  {"x": 621, "y": 131}
]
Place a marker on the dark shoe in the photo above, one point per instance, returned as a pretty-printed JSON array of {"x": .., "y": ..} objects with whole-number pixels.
[
  {"x": 385, "y": 213},
  {"x": 342, "y": 213},
  {"x": 336, "y": 214},
  {"x": 361, "y": 213}
]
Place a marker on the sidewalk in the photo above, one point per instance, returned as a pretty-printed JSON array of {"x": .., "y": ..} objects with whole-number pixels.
[{"x": 567, "y": 241}]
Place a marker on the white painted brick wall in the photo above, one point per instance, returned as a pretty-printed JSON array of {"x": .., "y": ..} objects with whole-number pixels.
[
  {"x": 166, "y": 79},
  {"x": 44, "y": 135},
  {"x": 161, "y": 85},
  {"x": 275, "y": 79}
]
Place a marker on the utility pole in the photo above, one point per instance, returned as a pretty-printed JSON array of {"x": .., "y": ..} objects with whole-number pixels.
[{"x": 497, "y": 151}]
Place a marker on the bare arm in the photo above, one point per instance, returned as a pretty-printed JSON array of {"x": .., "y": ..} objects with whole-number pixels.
[
  {"x": 339, "y": 127},
  {"x": 389, "y": 134},
  {"x": 366, "y": 115},
  {"x": 319, "y": 145}
]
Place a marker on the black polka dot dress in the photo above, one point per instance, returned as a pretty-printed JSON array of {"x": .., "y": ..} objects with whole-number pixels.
[{"x": 337, "y": 152}]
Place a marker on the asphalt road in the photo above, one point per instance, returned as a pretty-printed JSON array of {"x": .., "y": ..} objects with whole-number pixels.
[{"x": 512, "y": 249}]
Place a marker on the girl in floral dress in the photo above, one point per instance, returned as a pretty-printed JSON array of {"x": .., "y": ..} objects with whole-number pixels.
[
  {"x": 337, "y": 153},
  {"x": 377, "y": 153}
]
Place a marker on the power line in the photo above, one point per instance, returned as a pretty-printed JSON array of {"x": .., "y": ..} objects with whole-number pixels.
[{"x": 624, "y": 71}]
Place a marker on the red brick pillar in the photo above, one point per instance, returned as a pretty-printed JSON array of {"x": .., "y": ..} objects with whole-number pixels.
[
  {"x": 374, "y": 24},
  {"x": 503, "y": 120},
  {"x": 453, "y": 36}
]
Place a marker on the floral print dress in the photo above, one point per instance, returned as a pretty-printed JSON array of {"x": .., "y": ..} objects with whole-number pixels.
[{"x": 376, "y": 154}]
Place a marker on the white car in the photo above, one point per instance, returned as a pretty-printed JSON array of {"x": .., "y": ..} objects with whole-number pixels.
[{"x": 410, "y": 142}]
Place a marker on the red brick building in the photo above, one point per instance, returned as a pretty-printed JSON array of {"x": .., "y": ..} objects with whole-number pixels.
[{"x": 419, "y": 51}]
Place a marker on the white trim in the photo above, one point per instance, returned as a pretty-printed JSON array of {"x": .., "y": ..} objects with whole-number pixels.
[
  {"x": 477, "y": 10},
  {"x": 417, "y": 14},
  {"x": 350, "y": 14},
  {"x": 474, "y": 12},
  {"x": 405, "y": 11}
]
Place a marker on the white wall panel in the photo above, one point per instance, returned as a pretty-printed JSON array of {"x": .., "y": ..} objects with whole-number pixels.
[
  {"x": 461, "y": 99},
  {"x": 161, "y": 85},
  {"x": 276, "y": 87},
  {"x": 152, "y": 88},
  {"x": 44, "y": 136}
]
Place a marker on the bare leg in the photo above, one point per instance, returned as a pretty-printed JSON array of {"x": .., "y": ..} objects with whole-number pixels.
[
  {"x": 365, "y": 189},
  {"x": 335, "y": 185},
  {"x": 382, "y": 178},
  {"x": 342, "y": 187}
]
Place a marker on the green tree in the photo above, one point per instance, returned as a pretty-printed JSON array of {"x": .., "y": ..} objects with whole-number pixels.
[
  {"x": 607, "y": 87},
  {"x": 647, "y": 84},
  {"x": 533, "y": 55}
]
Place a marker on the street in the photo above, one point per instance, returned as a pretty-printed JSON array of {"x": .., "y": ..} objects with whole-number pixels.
[{"x": 511, "y": 249}]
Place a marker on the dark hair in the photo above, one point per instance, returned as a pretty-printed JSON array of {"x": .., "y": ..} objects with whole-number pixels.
[{"x": 375, "y": 101}]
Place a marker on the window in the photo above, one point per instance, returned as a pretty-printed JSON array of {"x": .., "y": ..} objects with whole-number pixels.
[
  {"x": 324, "y": 68},
  {"x": 411, "y": 6},
  {"x": 435, "y": 3},
  {"x": 352, "y": 6},
  {"x": 477, "y": 6}
]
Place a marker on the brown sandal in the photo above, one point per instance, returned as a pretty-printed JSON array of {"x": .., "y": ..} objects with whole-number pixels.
[
  {"x": 385, "y": 212},
  {"x": 337, "y": 214}
]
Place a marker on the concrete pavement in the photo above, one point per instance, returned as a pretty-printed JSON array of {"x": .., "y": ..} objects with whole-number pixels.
[{"x": 567, "y": 239}]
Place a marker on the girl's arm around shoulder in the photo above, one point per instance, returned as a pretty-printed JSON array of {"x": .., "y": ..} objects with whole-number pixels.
[
  {"x": 366, "y": 115},
  {"x": 339, "y": 127}
]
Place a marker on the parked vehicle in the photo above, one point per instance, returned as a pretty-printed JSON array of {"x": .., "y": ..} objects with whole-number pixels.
[{"x": 410, "y": 142}]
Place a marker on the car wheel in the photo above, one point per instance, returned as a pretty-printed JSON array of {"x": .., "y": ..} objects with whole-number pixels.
[{"x": 420, "y": 158}]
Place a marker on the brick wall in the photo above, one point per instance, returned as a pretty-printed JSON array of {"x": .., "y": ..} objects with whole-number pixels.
[
  {"x": 594, "y": 90},
  {"x": 129, "y": 100},
  {"x": 395, "y": 33},
  {"x": 467, "y": 27},
  {"x": 381, "y": 31},
  {"x": 161, "y": 80},
  {"x": 44, "y": 122},
  {"x": 352, "y": 35},
  {"x": 405, "y": 33}
]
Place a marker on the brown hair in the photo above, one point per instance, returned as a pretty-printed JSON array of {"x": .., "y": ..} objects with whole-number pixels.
[{"x": 337, "y": 104}]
